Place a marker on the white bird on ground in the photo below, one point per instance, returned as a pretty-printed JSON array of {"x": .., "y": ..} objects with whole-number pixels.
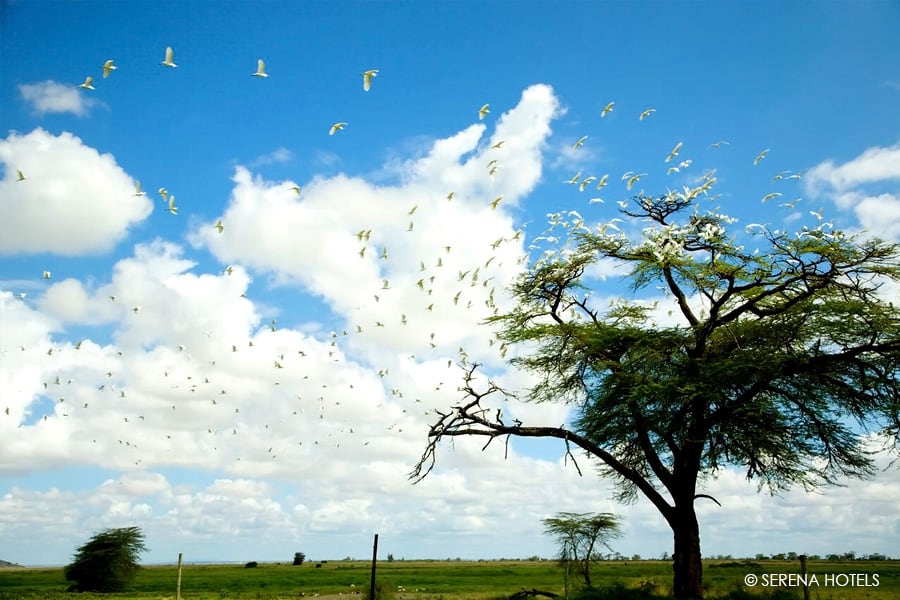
[
  {"x": 87, "y": 85},
  {"x": 367, "y": 78},
  {"x": 170, "y": 54},
  {"x": 260, "y": 69},
  {"x": 108, "y": 67},
  {"x": 336, "y": 127}
]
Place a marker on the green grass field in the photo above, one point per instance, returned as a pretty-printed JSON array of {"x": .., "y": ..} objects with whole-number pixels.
[{"x": 458, "y": 580}]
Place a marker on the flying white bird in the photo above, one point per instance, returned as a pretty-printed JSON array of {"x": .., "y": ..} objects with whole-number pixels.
[
  {"x": 219, "y": 226},
  {"x": 574, "y": 179},
  {"x": 607, "y": 109},
  {"x": 760, "y": 156},
  {"x": 602, "y": 183},
  {"x": 164, "y": 193},
  {"x": 296, "y": 189},
  {"x": 646, "y": 114},
  {"x": 633, "y": 179},
  {"x": 19, "y": 175},
  {"x": 46, "y": 275},
  {"x": 674, "y": 151},
  {"x": 483, "y": 111},
  {"x": 496, "y": 201},
  {"x": 108, "y": 67},
  {"x": 771, "y": 195},
  {"x": 88, "y": 81},
  {"x": 170, "y": 54},
  {"x": 336, "y": 127},
  {"x": 172, "y": 208},
  {"x": 586, "y": 182},
  {"x": 367, "y": 78},
  {"x": 260, "y": 69},
  {"x": 580, "y": 142},
  {"x": 718, "y": 144},
  {"x": 137, "y": 189}
]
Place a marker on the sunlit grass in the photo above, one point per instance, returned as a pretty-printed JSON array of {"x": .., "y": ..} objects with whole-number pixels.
[{"x": 441, "y": 580}]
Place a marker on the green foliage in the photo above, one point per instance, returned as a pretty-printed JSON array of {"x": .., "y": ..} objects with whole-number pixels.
[
  {"x": 299, "y": 557},
  {"x": 108, "y": 562},
  {"x": 579, "y": 536}
]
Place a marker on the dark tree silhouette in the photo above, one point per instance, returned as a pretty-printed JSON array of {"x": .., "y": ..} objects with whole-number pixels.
[
  {"x": 778, "y": 358},
  {"x": 108, "y": 562}
]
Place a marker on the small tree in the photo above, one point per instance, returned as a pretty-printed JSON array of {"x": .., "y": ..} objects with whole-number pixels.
[
  {"x": 299, "y": 557},
  {"x": 108, "y": 562},
  {"x": 579, "y": 536}
]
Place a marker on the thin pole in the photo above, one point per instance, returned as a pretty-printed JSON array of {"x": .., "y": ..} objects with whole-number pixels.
[
  {"x": 803, "y": 576},
  {"x": 374, "y": 557},
  {"x": 178, "y": 584}
]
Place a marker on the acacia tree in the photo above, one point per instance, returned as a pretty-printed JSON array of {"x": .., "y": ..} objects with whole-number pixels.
[
  {"x": 579, "y": 535},
  {"x": 108, "y": 562},
  {"x": 783, "y": 356}
]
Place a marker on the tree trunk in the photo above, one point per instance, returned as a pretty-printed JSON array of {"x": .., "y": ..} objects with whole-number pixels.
[{"x": 687, "y": 564}]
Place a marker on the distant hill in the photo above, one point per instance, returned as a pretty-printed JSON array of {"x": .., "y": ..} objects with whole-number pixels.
[{"x": 4, "y": 564}]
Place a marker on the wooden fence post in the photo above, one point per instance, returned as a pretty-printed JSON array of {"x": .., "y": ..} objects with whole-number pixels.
[
  {"x": 374, "y": 556},
  {"x": 178, "y": 583}
]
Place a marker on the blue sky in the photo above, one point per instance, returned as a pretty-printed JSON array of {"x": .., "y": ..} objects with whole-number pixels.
[{"x": 170, "y": 419}]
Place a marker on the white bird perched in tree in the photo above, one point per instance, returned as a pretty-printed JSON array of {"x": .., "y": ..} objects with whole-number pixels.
[
  {"x": 87, "y": 85},
  {"x": 760, "y": 156},
  {"x": 336, "y": 127},
  {"x": 646, "y": 114},
  {"x": 580, "y": 142},
  {"x": 108, "y": 67},
  {"x": 674, "y": 151},
  {"x": 483, "y": 111},
  {"x": 170, "y": 54},
  {"x": 260, "y": 69},
  {"x": 367, "y": 78},
  {"x": 607, "y": 109}
]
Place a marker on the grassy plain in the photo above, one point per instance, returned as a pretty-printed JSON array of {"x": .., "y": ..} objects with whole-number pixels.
[{"x": 457, "y": 580}]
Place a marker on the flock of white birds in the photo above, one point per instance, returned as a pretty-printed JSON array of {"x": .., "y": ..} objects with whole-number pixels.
[{"x": 205, "y": 372}]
